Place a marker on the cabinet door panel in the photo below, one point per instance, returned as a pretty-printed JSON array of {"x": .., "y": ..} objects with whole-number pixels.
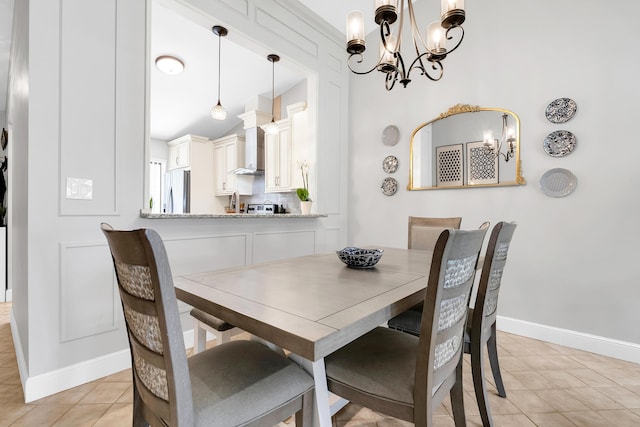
[{"x": 271, "y": 165}]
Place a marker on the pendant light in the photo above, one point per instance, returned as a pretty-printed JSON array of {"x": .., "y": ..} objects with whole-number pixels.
[
  {"x": 218, "y": 112},
  {"x": 272, "y": 128}
]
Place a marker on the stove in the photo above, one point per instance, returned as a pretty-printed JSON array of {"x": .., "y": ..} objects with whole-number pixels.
[{"x": 262, "y": 209}]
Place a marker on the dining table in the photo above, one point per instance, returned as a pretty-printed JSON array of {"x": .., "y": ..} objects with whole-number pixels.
[{"x": 312, "y": 305}]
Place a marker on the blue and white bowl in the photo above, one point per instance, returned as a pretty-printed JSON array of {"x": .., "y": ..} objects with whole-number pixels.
[{"x": 360, "y": 258}]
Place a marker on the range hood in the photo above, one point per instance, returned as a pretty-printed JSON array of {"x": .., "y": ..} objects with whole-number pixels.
[{"x": 254, "y": 144}]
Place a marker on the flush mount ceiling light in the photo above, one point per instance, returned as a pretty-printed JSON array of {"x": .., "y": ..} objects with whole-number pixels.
[
  {"x": 218, "y": 112},
  {"x": 272, "y": 128},
  {"x": 169, "y": 64},
  {"x": 429, "y": 55}
]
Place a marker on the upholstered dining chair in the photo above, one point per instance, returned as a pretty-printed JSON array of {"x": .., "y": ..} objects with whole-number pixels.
[
  {"x": 407, "y": 376},
  {"x": 481, "y": 321},
  {"x": 424, "y": 231},
  {"x": 236, "y": 383}
]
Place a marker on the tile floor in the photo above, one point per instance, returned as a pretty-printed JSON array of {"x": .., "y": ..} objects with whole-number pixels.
[{"x": 547, "y": 385}]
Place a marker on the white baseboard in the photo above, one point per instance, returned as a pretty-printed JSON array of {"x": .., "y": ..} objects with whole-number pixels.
[
  {"x": 8, "y": 296},
  {"x": 593, "y": 343},
  {"x": 40, "y": 386}
]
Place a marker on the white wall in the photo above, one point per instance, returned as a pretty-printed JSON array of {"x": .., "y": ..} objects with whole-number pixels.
[
  {"x": 572, "y": 260},
  {"x": 78, "y": 109}
]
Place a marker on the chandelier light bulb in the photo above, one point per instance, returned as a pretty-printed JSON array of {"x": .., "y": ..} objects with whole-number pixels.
[{"x": 271, "y": 128}]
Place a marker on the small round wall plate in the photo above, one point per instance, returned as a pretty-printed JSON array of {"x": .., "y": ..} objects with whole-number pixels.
[
  {"x": 558, "y": 182},
  {"x": 391, "y": 135},
  {"x": 560, "y": 110},
  {"x": 390, "y": 164},
  {"x": 559, "y": 143},
  {"x": 389, "y": 186}
]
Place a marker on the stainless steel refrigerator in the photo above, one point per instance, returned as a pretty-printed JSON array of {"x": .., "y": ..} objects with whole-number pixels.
[{"x": 177, "y": 190}]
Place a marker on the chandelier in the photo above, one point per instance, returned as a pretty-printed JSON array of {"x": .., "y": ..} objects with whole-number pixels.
[
  {"x": 429, "y": 54},
  {"x": 507, "y": 139}
]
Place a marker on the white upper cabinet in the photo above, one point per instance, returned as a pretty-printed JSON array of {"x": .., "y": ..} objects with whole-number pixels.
[
  {"x": 228, "y": 154},
  {"x": 285, "y": 149}
]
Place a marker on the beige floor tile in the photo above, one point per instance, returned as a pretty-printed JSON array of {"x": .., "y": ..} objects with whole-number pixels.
[
  {"x": 71, "y": 396},
  {"x": 593, "y": 398},
  {"x": 560, "y": 400},
  {"x": 590, "y": 377},
  {"x": 561, "y": 379},
  {"x": 105, "y": 392},
  {"x": 122, "y": 376},
  {"x": 518, "y": 420},
  {"x": 386, "y": 421},
  {"x": 552, "y": 419},
  {"x": 119, "y": 414},
  {"x": 7, "y": 358},
  {"x": 354, "y": 412},
  {"x": 127, "y": 396},
  {"x": 618, "y": 418},
  {"x": 511, "y": 363},
  {"x": 42, "y": 415},
  {"x": 12, "y": 412},
  {"x": 11, "y": 393},
  {"x": 622, "y": 376},
  {"x": 625, "y": 397},
  {"x": 82, "y": 415},
  {"x": 444, "y": 421},
  {"x": 528, "y": 401},
  {"x": 527, "y": 380},
  {"x": 502, "y": 405}
]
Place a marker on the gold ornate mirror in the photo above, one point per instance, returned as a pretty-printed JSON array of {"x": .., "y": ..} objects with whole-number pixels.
[{"x": 466, "y": 146}]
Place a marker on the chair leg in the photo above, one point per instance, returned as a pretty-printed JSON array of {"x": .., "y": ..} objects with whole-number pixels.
[
  {"x": 138, "y": 412},
  {"x": 479, "y": 384},
  {"x": 223, "y": 337},
  {"x": 199, "y": 337},
  {"x": 457, "y": 397},
  {"x": 304, "y": 417},
  {"x": 492, "y": 347}
]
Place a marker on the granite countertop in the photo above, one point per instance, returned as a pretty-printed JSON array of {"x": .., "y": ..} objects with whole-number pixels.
[{"x": 225, "y": 216}]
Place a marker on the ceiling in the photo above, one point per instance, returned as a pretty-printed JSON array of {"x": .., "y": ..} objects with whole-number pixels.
[{"x": 181, "y": 104}]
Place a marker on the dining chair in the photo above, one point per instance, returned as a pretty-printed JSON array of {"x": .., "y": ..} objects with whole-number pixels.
[
  {"x": 204, "y": 322},
  {"x": 481, "y": 324},
  {"x": 236, "y": 383},
  {"x": 424, "y": 231},
  {"x": 481, "y": 321},
  {"x": 405, "y": 376}
]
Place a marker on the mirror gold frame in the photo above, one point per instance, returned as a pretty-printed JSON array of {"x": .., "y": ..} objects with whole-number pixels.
[{"x": 468, "y": 109}]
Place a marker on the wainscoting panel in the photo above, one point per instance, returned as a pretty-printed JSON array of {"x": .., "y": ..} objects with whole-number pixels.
[
  {"x": 274, "y": 246},
  {"x": 198, "y": 254},
  {"x": 89, "y": 303}
]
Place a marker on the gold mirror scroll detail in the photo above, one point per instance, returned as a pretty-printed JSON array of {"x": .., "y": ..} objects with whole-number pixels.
[{"x": 459, "y": 149}]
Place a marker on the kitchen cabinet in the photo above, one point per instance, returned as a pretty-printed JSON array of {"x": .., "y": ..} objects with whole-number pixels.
[
  {"x": 228, "y": 154},
  {"x": 194, "y": 153},
  {"x": 284, "y": 150},
  {"x": 179, "y": 152}
]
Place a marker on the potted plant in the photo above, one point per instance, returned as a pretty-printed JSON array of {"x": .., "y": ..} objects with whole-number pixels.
[{"x": 303, "y": 193}]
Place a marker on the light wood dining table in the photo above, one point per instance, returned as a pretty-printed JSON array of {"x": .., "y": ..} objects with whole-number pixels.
[{"x": 311, "y": 305}]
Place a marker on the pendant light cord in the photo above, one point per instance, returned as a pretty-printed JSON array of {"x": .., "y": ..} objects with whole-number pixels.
[{"x": 219, "y": 56}]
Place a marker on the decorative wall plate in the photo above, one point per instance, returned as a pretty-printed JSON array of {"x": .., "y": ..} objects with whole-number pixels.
[
  {"x": 390, "y": 164},
  {"x": 391, "y": 135},
  {"x": 560, "y": 110},
  {"x": 559, "y": 143},
  {"x": 389, "y": 186},
  {"x": 558, "y": 182}
]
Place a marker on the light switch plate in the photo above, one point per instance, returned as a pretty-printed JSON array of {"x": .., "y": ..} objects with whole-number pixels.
[{"x": 79, "y": 188}]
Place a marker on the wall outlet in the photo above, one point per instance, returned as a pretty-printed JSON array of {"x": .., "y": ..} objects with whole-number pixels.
[{"x": 79, "y": 188}]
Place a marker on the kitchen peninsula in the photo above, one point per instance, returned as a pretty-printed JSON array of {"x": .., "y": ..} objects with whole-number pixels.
[{"x": 150, "y": 215}]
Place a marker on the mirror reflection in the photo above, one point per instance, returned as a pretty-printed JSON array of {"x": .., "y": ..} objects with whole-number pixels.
[{"x": 466, "y": 146}]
